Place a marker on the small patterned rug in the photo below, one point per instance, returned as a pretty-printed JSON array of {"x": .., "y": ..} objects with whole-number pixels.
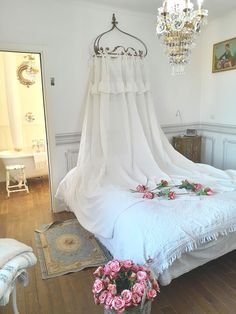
[{"x": 65, "y": 247}]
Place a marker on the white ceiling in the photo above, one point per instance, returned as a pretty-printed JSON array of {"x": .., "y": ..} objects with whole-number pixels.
[{"x": 215, "y": 7}]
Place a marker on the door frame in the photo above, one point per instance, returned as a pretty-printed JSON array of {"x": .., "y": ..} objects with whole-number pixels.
[{"x": 48, "y": 110}]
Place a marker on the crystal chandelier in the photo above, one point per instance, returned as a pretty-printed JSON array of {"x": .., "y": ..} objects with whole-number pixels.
[{"x": 178, "y": 24}]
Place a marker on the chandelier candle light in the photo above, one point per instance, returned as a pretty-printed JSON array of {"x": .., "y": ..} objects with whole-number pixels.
[{"x": 178, "y": 24}]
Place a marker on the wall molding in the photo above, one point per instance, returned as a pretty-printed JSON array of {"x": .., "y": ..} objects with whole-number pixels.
[
  {"x": 68, "y": 138},
  {"x": 177, "y": 128},
  {"x": 200, "y": 126},
  {"x": 218, "y": 128}
]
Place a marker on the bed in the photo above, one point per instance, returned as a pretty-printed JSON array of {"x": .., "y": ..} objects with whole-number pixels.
[
  {"x": 175, "y": 236},
  {"x": 172, "y": 236},
  {"x": 122, "y": 146}
]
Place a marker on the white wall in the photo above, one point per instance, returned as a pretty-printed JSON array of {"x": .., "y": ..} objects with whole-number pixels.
[
  {"x": 218, "y": 102},
  {"x": 218, "y": 98},
  {"x": 64, "y": 31}
]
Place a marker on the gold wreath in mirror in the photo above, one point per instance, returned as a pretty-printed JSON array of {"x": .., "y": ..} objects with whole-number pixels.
[{"x": 27, "y": 71}]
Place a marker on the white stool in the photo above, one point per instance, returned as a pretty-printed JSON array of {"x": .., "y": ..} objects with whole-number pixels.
[{"x": 16, "y": 173}]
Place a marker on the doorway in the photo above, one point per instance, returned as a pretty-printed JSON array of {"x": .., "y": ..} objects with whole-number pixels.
[{"x": 24, "y": 162}]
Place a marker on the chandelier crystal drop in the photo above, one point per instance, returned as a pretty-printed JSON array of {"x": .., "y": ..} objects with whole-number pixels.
[{"x": 178, "y": 25}]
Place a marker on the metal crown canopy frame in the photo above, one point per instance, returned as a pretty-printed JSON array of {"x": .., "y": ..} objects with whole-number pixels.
[{"x": 118, "y": 50}]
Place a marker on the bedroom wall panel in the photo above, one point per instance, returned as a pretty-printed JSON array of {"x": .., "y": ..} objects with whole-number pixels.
[
  {"x": 218, "y": 141},
  {"x": 71, "y": 158},
  {"x": 229, "y": 153},
  {"x": 208, "y": 149},
  {"x": 218, "y": 145},
  {"x": 67, "y": 148},
  {"x": 217, "y": 89}
]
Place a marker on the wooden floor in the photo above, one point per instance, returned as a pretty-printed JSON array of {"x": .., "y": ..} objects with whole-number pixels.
[{"x": 208, "y": 289}]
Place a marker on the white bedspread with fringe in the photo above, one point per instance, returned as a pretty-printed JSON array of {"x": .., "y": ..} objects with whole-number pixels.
[{"x": 160, "y": 231}]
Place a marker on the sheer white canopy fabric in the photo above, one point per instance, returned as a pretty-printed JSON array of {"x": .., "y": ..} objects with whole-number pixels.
[{"x": 122, "y": 145}]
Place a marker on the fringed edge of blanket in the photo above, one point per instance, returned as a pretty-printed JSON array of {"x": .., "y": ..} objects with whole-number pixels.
[{"x": 190, "y": 247}]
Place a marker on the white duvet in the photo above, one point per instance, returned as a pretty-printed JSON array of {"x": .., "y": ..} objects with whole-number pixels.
[{"x": 161, "y": 231}]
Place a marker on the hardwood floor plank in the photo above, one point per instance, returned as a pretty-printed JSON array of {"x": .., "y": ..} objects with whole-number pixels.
[{"x": 209, "y": 289}]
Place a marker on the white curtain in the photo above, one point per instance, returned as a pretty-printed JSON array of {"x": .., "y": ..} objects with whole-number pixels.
[
  {"x": 123, "y": 145},
  {"x": 13, "y": 100}
]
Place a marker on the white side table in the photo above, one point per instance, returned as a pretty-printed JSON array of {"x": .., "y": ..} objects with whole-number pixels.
[{"x": 16, "y": 173}]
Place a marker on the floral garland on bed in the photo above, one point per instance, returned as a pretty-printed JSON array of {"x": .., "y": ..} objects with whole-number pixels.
[{"x": 163, "y": 189}]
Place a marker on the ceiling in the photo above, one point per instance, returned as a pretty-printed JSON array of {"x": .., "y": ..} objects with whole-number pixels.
[{"x": 216, "y": 7}]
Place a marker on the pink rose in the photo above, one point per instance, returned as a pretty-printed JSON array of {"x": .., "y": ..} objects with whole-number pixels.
[
  {"x": 171, "y": 195},
  {"x": 151, "y": 294},
  {"x": 99, "y": 271},
  {"x": 139, "y": 289},
  {"x": 208, "y": 191},
  {"x": 135, "y": 268},
  {"x": 102, "y": 297},
  {"x": 148, "y": 195},
  {"x": 127, "y": 297},
  {"x": 118, "y": 304},
  {"x": 127, "y": 264},
  {"x": 109, "y": 300},
  {"x": 107, "y": 281},
  {"x": 98, "y": 286},
  {"x": 141, "y": 188},
  {"x": 114, "y": 266},
  {"x": 197, "y": 187},
  {"x": 112, "y": 288},
  {"x": 164, "y": 183},
  {"x": 107, "y": 269},
  {"x": 136, "y": 299},
  {"x": 141, "y": 276}
]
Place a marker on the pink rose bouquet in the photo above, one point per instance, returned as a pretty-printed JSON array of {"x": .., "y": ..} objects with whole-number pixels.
[
  {"x": 163, "y": 189},
  {"x": 122, "y": 285}
]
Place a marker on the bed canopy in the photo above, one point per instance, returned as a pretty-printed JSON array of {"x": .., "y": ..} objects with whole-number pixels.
[{"x": 122, "y": 144}]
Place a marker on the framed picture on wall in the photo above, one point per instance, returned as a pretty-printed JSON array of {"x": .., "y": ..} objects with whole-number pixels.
[{"x": 224, "y": 55}]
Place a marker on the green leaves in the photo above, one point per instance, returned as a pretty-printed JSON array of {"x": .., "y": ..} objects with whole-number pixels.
[{"x": 187, "y": 185}]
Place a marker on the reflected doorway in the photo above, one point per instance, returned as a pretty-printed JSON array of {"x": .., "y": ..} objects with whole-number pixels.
[{"x": 24, "y": 171}]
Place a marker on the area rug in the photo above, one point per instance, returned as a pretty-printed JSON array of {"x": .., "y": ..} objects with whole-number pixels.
[{"x": 65, "y": 247}]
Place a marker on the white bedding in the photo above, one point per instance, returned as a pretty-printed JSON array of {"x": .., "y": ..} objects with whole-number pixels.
[
  {"x": 203, "y": 254},
  {"x": 162, "y": 231}
]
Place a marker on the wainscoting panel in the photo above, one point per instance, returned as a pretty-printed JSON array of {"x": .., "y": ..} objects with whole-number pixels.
[
  {"x": 218, "y": 144},
  {"x": 229, "y": 153},
  {"x": 71, "y": 158},
  {"x": 208, "y": 150}
]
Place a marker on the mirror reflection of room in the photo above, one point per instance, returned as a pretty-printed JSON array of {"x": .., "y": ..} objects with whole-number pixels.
[{"x": 23, "y": 150}]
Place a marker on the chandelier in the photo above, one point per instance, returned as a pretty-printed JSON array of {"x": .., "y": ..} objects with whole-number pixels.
[{"x": 178, "y": 25}]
